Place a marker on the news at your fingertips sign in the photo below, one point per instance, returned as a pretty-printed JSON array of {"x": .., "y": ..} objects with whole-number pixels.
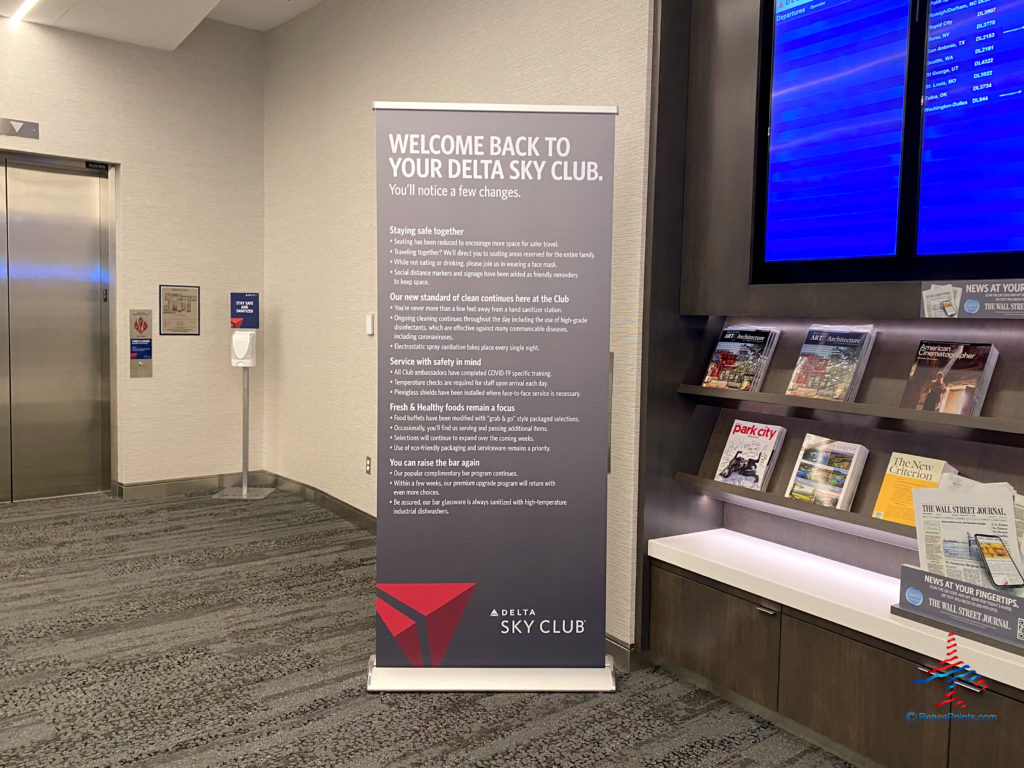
[
  {"x": 494, "y": 269},
  {"x": 973, "y": 299}
]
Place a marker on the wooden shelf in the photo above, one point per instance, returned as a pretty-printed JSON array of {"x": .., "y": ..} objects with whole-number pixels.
[
  {"x": 896, "y": 416},
  {"x": 836, "y": 519}
]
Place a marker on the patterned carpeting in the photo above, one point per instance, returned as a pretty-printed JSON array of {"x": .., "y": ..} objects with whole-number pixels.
[{"x": 197, "y": 632}]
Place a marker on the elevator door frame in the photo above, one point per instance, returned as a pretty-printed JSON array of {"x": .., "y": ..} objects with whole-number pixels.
[{"x": 65, "y": 165}]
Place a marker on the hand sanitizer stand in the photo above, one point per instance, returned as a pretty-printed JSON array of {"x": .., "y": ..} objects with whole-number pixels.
[{"x": 243, "y": 355}]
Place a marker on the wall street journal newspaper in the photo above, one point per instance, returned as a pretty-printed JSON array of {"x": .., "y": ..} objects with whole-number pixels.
[{"x": 970, "y": 531}]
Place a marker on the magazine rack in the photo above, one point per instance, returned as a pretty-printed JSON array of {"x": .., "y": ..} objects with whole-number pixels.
[
  {"x": 987, "y": 448},
  {"x": 886, "y": 416}
]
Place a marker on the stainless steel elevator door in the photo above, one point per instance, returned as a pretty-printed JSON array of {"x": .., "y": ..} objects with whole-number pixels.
[
  {"x": 55, "y": 296},
  {"x": 5, "y": 373}
]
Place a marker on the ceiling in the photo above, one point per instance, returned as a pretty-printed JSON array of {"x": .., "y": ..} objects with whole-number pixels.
[
  {"x": 160, "y": 24},
  {"x": 260, "y": 14}
]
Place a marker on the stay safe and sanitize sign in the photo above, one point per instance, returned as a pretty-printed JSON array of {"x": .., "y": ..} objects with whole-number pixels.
[{"x": 245, "y": 310}]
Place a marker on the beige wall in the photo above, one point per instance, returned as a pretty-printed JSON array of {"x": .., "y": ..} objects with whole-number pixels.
[
  {"x": 323, "y": 71},
  {"x": 247, "y": 163},
  {"x": 186, "y": 128}
]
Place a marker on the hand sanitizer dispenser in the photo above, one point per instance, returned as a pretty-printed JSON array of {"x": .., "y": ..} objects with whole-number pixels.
[
  {"x": 243, "y": 349},
  {"x": 245, "y": 311}
]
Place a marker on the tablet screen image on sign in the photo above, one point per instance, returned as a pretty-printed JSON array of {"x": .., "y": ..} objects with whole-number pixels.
[{"x": 1001, "y": 567}]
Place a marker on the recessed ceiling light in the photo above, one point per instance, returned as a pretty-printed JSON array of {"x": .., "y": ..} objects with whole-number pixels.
[{"x": 23, "y": 9}]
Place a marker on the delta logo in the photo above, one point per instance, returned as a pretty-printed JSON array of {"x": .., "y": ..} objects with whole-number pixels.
[
  {"x": 750, "y": 429},
  {"x": 523, "y": 621},
  {"x": 422, "y": 617}
]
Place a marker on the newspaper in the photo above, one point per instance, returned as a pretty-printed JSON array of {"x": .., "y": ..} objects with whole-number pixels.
[
  {"x": 950, "y": 517},
  {"x": 942, "y": 300},
  {"x": 963, "y": 484}
]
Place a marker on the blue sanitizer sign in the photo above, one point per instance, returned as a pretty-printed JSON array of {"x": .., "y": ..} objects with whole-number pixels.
[{"x": 245, "y": 310}]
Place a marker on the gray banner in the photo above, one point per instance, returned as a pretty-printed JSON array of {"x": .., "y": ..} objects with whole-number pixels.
[
  {"x": 978, "y": 299},
  {"x": 494, "y": 268},
  {"x": 985, "y": 611}
]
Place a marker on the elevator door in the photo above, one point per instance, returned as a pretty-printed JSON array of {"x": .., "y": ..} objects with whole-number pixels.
[{"x": 58, "y": 441}]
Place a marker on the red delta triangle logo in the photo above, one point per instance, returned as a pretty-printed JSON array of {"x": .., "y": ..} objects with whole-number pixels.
[{"x": 441, "y": 605}]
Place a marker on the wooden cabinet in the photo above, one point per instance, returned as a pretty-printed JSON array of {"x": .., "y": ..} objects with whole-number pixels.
[
  {"x": 998, "y": 744},
  {"x": 731, "y": 641},
  {"x": 859, "y": 696},
  {"x": 852, "y": 689}
]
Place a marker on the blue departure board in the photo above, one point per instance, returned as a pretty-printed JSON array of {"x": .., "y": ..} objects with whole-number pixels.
[
  {"x": 838, "y": 91},
  {"x": 972, "y": 161}
]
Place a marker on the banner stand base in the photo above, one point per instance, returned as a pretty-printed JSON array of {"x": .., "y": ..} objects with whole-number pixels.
[
  {"x": 236, "y": 493},
  {"x": 505, "y": 679}
]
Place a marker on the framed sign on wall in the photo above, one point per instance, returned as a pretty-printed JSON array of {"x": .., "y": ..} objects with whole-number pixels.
[{"x": 179, "y": 310}]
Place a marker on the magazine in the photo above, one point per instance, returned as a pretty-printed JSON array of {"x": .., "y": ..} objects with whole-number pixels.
[
  {"x": 741, "y": 358},
  {"x": 950, "y": 377},
  {"x": 827, "y": 472},
  {"x": 905, "y": 472},
  {"x": 748, "y": 458},
  {"x": 832, "y": 362}
]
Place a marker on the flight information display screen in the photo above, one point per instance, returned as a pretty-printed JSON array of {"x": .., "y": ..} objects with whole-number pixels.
[
  {"x": 972, "y": 161},
  {"x": 838, "y": 85}
]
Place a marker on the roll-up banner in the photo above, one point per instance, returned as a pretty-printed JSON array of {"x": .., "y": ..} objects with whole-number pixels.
[{"x": 494, "y": 242}]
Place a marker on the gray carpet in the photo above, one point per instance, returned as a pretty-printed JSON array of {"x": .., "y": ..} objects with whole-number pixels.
[{"x": 197, "y": 632}]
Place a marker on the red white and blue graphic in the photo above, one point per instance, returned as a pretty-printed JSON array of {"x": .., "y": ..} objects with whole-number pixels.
[
  {"x": 245, "y": 310},
  {"x": 141, "y": 349},
  {"x": 952, "y": 671},
  {"x": 422, "y": 618}
]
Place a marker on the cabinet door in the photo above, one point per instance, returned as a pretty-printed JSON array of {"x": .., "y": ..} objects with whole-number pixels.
[
  {"x": 998, "y": 744},
  {"x": 859, "y": 696},
  {"x": 731, "y": 641}
]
